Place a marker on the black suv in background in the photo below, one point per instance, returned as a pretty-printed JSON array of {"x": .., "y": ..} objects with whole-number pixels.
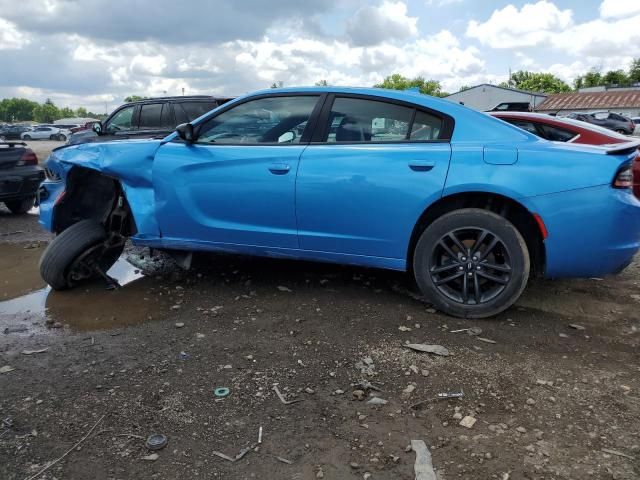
[
  {"x": 610, "y": 120},
  {"x": 152, "y": 117}
]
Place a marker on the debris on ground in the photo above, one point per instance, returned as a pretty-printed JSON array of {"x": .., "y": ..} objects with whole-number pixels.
[
  {"x": 284, "y": 460},
  {"x": 33, "y": 352},
  {"x": 470, "y": 330},
  {"x": 468, "y": 422},
  {"x": 284, "y": 400},
  {"x": 16, "y": 329},
  {"x": 617, "y": 453},
  {"x": 221, "y": 392},
  {"x": 486, "y": 340},
  {"x": 366, "y": 366},
  {"x": 179, "y": 325},
  {"x": 402, "y": 328},
  {"x": 377, "y": 401},
  {"x": 157, "y": 441},
  {"x": 151, "y": 458},
  {"x": 576, "y": 326},
  {"x": 6, "y": 369},
  {"x": 423, "y": 466},
  {"x": 435, "y": 349},
  {"x": 282, "y": 288}
]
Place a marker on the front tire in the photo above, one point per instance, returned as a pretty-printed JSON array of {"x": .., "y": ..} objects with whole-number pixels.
[
  {"x": 20, "y": 207},
  {"x": 471, "y": 263},
  {"x": 58, "y": 262},
  {"x": 621, "y": 132},
  {"x": 62, "y": 137},
  {"x": 27, "y": 137}
]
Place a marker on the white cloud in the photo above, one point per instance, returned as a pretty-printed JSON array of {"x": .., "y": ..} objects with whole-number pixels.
[
  {"x": 600, "y": 38},
  {"x": 10, "y": 36},
  {"x": 511, "y": 27},
  {"x": 619, "y": 8},
  {"x": 443, "y": 3},
  {"x": 389, "y": 21}
]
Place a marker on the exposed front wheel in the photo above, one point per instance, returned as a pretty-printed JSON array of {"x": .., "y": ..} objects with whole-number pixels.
[
  {"x": 20, "y": 207},
  {"x": 62, "y": 137},
  {"x": 77, "y": 254},
  {"x": 471, "y": 263}
]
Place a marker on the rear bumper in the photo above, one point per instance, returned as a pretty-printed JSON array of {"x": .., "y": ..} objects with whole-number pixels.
[
  {"x": 21, "y": 182},
  {"x": 592, "y": 231}
]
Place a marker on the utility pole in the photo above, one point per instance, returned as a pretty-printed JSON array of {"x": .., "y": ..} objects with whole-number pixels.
[{"x": 509, "y": 81}]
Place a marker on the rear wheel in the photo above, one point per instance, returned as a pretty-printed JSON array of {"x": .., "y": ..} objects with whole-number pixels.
[
  {"x": 2, "y": 138},
  {"x": 62, "y": 137},
  {"x": 74, "y": 255},
  {"x": 53, "y": 137},
  {"x": 27, "y": 137},
  {"x": 20, "y": 207},
  {"x": 471, "y": 263},
  {"x": 621, "y": 131}
]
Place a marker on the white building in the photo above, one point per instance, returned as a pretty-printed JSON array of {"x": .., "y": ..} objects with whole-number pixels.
[{"x": 485, "y": 96}]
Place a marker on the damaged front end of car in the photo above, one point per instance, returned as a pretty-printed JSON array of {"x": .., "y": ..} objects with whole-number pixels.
[{"x": 97, "y": 196}]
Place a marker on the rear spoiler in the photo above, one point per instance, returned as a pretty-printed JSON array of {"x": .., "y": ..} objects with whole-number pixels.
[{"x": 624, "y": 148}]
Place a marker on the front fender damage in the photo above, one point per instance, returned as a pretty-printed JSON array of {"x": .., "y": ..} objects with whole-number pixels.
[{"x": 128, "y": 162}]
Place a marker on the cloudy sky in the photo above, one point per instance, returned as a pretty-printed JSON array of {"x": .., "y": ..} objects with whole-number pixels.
[{"x": 94, "y": 53}]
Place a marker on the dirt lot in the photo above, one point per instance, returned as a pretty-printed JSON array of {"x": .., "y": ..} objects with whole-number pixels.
[
  {"x": 42, "y": 148},
  {"x": 551, "y": 401}
]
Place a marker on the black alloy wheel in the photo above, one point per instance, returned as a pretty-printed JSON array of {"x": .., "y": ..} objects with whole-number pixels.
[{"x": 471, "y": 263}]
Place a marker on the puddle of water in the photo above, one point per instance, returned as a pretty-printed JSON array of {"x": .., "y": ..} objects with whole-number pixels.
[
  {"x": 19, "y": 273},
  {"x": 90, "y": 306}
]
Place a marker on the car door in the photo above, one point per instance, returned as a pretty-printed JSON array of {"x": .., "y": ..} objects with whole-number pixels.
[
  {"x": 369, "y": 174},
  {"x": 121, "y": 124},
  {"x": 236, "y": 184},
  {"x": 155, "y": 119}
]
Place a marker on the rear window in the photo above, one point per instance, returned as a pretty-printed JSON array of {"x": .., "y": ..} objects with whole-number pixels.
[
  {"x": 556, "y": 134},
  {"x": 188, "y": 111}
]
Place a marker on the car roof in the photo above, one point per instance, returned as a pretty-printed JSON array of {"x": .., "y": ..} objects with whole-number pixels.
[
  {"x": 474, "y": 125},
  {"x": 181, "y": 98}
]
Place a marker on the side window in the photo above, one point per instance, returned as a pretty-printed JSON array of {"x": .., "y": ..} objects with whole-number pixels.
[
  {"x": 166, "y": 119},
  {"x": 360, "y": 120},
  {"x": 528, "y": 126},
  {"x": 121, "y": 120},
  {"x": 194, "y": 110},
  {"x": 150, "y": 116},
  {"x": 264, "y": 120},
  {"x": 556, "y": 134},
  {"x": 426, "y": 127}
]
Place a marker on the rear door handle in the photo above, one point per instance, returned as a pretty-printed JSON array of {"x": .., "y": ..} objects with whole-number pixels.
[
  {"x": 279, "y": 168},
  {"x": 421, "y": 165}
]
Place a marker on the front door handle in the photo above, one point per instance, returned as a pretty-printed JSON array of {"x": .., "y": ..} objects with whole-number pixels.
[
  {"x": 421, "y": 165},
  {"x": 279, "y": 168}
]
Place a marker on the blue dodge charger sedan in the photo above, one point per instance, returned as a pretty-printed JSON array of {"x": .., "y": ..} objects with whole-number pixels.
[{"x": 469, "y": 205}]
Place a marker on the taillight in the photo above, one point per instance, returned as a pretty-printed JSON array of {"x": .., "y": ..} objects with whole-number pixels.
[
  {"x": 624, "y": 177},
  {"x": 28, "y": 158},
  {"x": 636, "y": 177}
]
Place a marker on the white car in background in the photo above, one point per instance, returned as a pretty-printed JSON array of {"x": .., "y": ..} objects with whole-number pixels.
[
  {"x": 46, "y": 133},
  {"x": 636, "y": 120}
]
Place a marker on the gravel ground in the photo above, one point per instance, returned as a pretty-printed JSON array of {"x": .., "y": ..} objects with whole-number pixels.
[{"x": 552, "y": 383}]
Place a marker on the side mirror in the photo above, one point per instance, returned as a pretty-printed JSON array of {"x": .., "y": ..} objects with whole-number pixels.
[
  {"x": 185, "y": 132},
  {"x": 97, "y": 127}
]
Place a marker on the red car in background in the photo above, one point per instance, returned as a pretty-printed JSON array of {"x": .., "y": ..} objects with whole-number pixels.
[{"x": 559, "y": 129}]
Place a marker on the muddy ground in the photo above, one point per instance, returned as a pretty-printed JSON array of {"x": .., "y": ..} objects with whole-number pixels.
[{"x": 550, "y": 401}]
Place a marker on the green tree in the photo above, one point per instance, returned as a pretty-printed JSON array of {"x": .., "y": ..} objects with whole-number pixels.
[
  {"x": 634, "y": 71},
  {"x": 399, "y": 82},
  {"x": 133, "y": 98},
  {"x": 46, "y": 113},
  {"x": 539, "y": 82},
  {"x": 81, "y": 112},
  {"x": 592, "y": 78},
  {"x": 16, "y": 109},
  {"x": 322, "y": 83},
  {"x": 615, "y": 77},
  {"x": 66, "y": 112}
]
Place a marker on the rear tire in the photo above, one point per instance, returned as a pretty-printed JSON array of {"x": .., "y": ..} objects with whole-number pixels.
[
  {"x": 2, "y": 138},
  {"x": 53, "y": 137},
  {"x": 20, "y": 207},
  {"x": 62, "y": 137},
  {"x": 57, "y": 259},
  {"x": 471, "y": 263},
  {"x": 27, "y": 137},
  {"x": 622, "y": 132}
]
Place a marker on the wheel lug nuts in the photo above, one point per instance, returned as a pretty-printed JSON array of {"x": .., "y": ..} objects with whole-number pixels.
[
  {"x": 470, "y": 274},
  {"x": 460, "y": 267},
  {"x": 475, "y": 259},
  {"x": 464, "y": 259},
  {"x": 478, "y": 267}
]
